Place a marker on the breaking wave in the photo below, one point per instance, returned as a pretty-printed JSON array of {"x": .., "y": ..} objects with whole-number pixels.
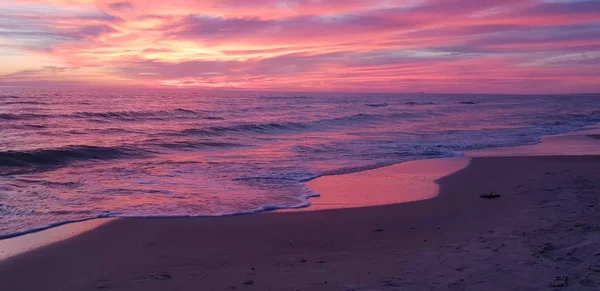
[{"x": 61, "y": 156}]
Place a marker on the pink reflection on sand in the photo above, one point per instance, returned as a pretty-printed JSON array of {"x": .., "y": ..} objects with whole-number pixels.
[
  {"x": 401, "y": 183},
  {"x": 21, "y": 244}
]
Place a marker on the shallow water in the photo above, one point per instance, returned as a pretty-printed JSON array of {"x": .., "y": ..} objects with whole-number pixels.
[{"x": 72, "y": 154}]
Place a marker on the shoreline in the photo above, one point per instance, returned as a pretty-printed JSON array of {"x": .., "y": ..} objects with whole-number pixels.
[
  {"x": 424, "y": 179},
  {"x": 403, "y": 183},
  {"x": 39, "y": 238},
  {"x": 542, "y": 233},
  {"x": 552, "y": 145},
  {"x": 48, "y": 227},
  {"x": 466, "y": 240}
]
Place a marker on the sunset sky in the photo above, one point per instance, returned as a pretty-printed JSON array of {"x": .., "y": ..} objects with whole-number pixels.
[{"x": 508, "y": 46}]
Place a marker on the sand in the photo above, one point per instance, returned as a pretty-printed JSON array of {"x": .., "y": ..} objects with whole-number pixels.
[
  {"x": 400, "y": 183},
  {"x": 541, "y": 234},
  {"x": 24, "y": 243},
  {"x": 571, "y": 144}
]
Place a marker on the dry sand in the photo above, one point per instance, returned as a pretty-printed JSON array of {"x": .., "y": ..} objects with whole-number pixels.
[{"x": 541, "y": 234}]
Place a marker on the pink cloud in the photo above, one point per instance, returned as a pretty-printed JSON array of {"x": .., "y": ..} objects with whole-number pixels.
[{"x": 442, "y": 45}]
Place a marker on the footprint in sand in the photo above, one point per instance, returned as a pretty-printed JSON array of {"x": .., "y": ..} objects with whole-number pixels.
[
  {"x": 103, "y": 284},
  {"x": 591, "y": 280},
  {"x": 154, "y": 277}
]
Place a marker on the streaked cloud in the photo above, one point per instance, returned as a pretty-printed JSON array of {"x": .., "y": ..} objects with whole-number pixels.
[{"x": 387, "y": 45}]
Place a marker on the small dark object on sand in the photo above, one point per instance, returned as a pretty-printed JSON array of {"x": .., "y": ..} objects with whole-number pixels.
[
  {"x": 249, "y": 282},
  {"x": 492, "y": 195},
  {"x": 379, "y": 229}
]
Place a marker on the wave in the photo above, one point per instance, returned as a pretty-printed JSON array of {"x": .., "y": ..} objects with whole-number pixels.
[
  {"x": 303, "y": 202},
  {"x": 377, "y": 104},
  {"x": 198, "y": 145},
  {"x": 61, "y": 156},
  {"x": 10, "y": 210},
  {"x": 116, "y": 115},
  {"x": 24, "y": 102},
  {"x": 20, "y": 116},
  {"x": 140, "y": 115},
  {"x": 274, "y": 127},
  {"x": 281, "y": 178},
  {"x": 401, "y": 157},
  {"x": 6, "y": 210},
  {"x": 413, "y": 103},
  {"x": 252, "y": 128},
  {"x": 23, "y": 126},
  {"x": 49, "y": 183}
]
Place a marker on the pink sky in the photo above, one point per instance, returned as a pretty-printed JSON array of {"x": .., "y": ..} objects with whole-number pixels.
[{"x": 492, "y": 46}]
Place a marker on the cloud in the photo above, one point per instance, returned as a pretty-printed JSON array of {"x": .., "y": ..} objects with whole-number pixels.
[
  {"x": 158, "y": 50},
  {"x": 400, "y": 45},
  {"x": 41, "y": 10},
  {"x": 120, "y": 6},
  {"x": 571, "y": 8},
  {"x": 203, "y": 26}
]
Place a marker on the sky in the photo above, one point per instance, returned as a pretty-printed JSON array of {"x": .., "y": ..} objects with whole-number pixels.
[{"x": 473, "y": 46}]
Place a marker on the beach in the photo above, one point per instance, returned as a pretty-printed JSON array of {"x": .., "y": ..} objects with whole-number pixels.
[
  {"x": 299, "y": 145},
  {"x": 541, "y": 234}
]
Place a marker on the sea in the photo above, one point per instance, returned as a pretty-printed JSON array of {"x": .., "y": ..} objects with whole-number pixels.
[{"x": 72, "y": 154}]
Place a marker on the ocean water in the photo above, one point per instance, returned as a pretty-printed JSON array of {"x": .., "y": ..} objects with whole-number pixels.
[{"x": 75, "y": 154}]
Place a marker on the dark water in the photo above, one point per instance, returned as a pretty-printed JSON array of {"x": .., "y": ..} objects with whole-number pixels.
[{"x": 70, "y": 154}]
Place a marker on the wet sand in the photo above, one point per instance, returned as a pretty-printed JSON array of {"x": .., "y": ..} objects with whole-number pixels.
[
  {"x": 400, "y": 183},
  {"x": 541, "y": 234},
  {"x": 569, "y": 144},
  {"x": 24, "y": 243}
]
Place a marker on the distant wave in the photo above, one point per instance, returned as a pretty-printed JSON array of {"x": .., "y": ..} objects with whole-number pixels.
[
  {"x": 377, "y": 104},
  {"x": 60, "y": 156},
  {"x": 137, "y": 115},
  {"x": 24, "y": 102},
  {"x": 28, "y": 126},
  {"x": 253, "y": 128},
  {"x": 197, "y": 145},
  {"x": 285, "y": 97},
  {"x": 20, "y": 116},
  {"x": 117, "y": 115},
  {"x": 413, "y": 103},
  {"x": 273, "y": 127}
]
